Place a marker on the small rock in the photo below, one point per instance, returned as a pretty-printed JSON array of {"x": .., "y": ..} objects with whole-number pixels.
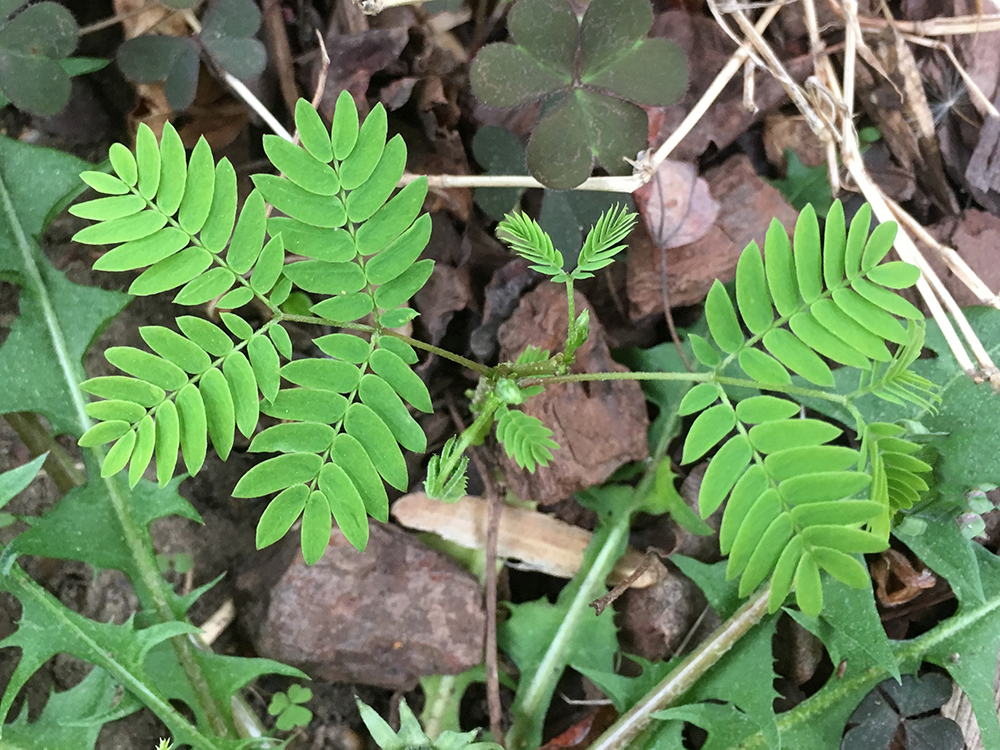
[{"x": 381, "y": 617}]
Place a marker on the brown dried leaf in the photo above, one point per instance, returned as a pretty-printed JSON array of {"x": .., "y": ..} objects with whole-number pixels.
[{"x": 676, "y": 205}]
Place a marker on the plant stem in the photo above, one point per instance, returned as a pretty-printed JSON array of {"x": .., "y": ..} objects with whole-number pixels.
[
  {"x": 481, "y": 369},
  {"x": 539, "y": 691},
  {"x": 59, "y": 465},
  {"x": 687, "y": 673}
]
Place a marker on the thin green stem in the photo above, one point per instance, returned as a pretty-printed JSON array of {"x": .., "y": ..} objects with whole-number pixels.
[
  {"x": 687, "y": 673},
  {"x": 135, "y": 537},
  {"x": 481, "y": 369},
  {"x": 482, "y": 423}
]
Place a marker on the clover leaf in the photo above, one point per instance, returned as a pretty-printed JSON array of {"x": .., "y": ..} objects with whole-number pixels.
[
  {"x": 32, "y": 45},
  {"x": 227, "y": 35},
  {"x": 289, "y": 710},
  {"x": 590, "y": 74}
]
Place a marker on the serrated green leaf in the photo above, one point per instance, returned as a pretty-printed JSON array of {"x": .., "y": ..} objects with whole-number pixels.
[
  {"x": 345, "y": 502},
  {"x": 799, "y": 358},
  {"x": 367, "y": 428},
  {"x": 167, "y": 442},
  {"x": 124, "y": 389},
  {"x": 317, "y": 524},
  {"x": 219, "y": 411},
  {"x": 351, "y": 456},
  {"x": 312, "y": 132},
  {"x": 199, "y": 188},
  {"x": 383, "y": 400},
  {"x": 173, "y": 171},
  {"x": 146, "y": 366},
  {"x": 193, "y": 427},
  {"x": 708, "y": 429},
  {"x": 298, "y": 203},
  {"x": 126, "y": 229},
  {"x": 280, "y": 514},
  {"x": 322, "y": 374},
  {"x": 725, "y": 468},
  {"x": 266, "y": 366},
  {"x": 305, "y": 404},
  {"x": 368, "y": 197},
  {"x": 218, "y": 227},
  {"x": 763, "y": 367},
  {"x": 277, "y": 473},
  {"x": 772, "y": 437},
  {"x": 294, "y": 437},
  {"x": 172, "y": 272},
  {"x": 142, "y": 452},
  {"x": 172, "y": 346},
  {"x": 147, "y": 251},
  {"x": 359, "y": 165},
  {"x": 299, "y": 166}
]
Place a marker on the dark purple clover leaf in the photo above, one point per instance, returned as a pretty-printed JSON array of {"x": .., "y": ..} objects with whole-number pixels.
[
  {"x": 228, "y": 36},
  {"x": 498, "y": 151},
  {"x": 591, "y": 76},
  {"x": 902, "y": 707},
  {"x": 170, "y": 59},
  {"x": 32, "y": 45}
]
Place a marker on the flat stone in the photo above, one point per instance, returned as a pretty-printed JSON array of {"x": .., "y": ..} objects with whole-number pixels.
[{"x": 381, "y": 617}]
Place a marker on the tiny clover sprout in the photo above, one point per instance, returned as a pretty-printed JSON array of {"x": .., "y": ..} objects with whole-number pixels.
[
  {"x": 591, "y": 76},
  {"x": 289, "y": 709}
]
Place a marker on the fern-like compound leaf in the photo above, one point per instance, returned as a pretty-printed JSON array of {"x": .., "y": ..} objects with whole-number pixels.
[
  {"x": 532, "y": 243},
  {"x": 525, "y": 438},
  {"x": 357, "y": 243},
  {"x": 603, "y": 241},
  {"x": 797, "y": 503}
]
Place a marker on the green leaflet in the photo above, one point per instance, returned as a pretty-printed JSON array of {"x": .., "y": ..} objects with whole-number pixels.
[
  {"x": 280, "y": 514},
  {"x": 344, "y": 131},
  {"x": 346, "y": 504},
  {"x": 294, "y": 437},
  {"x": 379, "y": 396},
  {"x": 198, "y": 189},
  {"x": 363, "y": 424},
  {"x": 220, "y": 414},
  {"x": 708, "y": 429},
  {"x": 146, "y": 366},
  {"x": 305, "y": 404},
  {"x": 301, "y": 167},
  {"x": 277, "y": 473},
  {"x": 218, "y": 225},
  {"x": 316, "y": 526}
]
